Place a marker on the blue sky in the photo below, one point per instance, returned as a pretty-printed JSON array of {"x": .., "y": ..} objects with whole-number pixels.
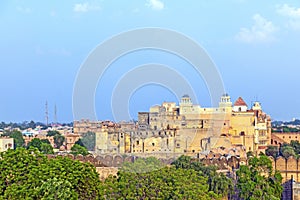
[{"x": 254, "y": 44}]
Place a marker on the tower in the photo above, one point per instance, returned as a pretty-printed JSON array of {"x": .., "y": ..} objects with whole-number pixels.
[
  {"x": 256, "y": 106},
  {"x": 55, "y": 115},
  {"x": 186, "y": 105},
  {"x": 225, "y": 101},
  {"x": 240, "y": 105},
  {"x": 186, "y": 101},
  {"x": 46, "y": 113}
]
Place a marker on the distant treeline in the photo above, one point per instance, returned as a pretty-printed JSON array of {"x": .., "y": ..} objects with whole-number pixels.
[{"x": 29, "y": 124}]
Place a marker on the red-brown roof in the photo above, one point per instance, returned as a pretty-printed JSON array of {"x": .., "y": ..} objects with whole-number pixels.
[{"x": 240, "y": 102}]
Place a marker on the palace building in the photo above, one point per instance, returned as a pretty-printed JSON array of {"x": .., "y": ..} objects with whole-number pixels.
[{"x": 169, "y": 130}]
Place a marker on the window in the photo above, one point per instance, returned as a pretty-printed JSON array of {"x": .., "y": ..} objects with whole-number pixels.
[
  {"x": 153, "y": 144},
  {"x": 137, "y": 142}
]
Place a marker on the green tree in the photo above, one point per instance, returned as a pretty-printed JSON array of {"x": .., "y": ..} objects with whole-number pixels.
[
  {"x": 52, "y": 133},
  {"x": 77, "y": 149},
  {"x": 88, "y": 140},
  {"x": 28, "y": 174},
  {"x": 142, "y": 165},
  {"x": 35, "y": 142},
  {"x": 58, "y": 140},
  {"x": 272, "y": 151},
  {"x": 287, "y": 151},
  {"x": 163, "y": 183},
  {"x": 31, "y": 124},
  {"x": 46, "y": 148},
  {"x": 42, "y": 145},
  {"x": 56, "y": 189},
  {"x": 218, "y": 183},
  {"x": 45, "y": 141},
  {"x": 296, "y": 146},
  {"x": 258, "y": 181}
]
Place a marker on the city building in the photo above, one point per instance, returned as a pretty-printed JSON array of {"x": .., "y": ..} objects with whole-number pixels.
[
  {"x": 277, "y": 139},
  {"x": 172, "y": 130},
  {"x": 6, "y": 143}
]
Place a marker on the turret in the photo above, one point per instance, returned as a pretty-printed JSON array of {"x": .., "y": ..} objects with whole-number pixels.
[
  {"x": 240, "y": 105},
  {"x": 256, "y": 106},
  {"x": 225, "y": 101},
  {"x": 186, "y": 100}
]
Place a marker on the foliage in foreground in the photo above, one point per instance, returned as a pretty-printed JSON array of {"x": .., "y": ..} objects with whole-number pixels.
[
  {"x": 217, "y": 182},
  {"x": 77, "y": 149},
  {"x": 258, "y": 180},
  {"x": 28, "y": 174},
  {"x": 164, "y": 183}
]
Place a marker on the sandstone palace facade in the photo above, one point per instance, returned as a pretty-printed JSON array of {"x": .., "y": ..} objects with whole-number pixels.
[{"x": 170, "y": 130}]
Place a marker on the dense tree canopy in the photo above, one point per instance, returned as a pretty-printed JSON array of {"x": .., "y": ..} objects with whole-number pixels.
[
  {"x": 217, "y": 182},
  {"x": 52, "y": 133},
  {"x": 28, "y": 174},
  {"x": 59, "y": 140},
  {"x": 285, "y": 150},
  {"x": 258, "y": 180},
  {"x": 296, "y": 146},
  {"x": 160, "y": 183},
  {"x": 272, "y": 151},
  {"x": 77, "y": 149},
  {"x": 88, "y": 140},
  {"x": 42, "y": 145},
  {"x": 141, "y": 165}
]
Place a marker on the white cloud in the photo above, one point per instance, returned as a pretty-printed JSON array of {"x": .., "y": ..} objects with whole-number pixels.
[
  {"x": 293, "y": 15},
  {"x": 155, "y": 4},
  {"x": 85, "y": 7},
  {"x": 261, "y": 31}
]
